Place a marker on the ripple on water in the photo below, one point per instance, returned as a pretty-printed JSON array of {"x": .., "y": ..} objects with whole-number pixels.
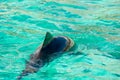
[{"x": 93, "y": 24}]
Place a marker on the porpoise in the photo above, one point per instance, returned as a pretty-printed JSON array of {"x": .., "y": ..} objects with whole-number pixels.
[{"x": 52, "y": 47}]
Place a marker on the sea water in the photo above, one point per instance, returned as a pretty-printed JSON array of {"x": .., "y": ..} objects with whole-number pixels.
[{"x": 94, "y": 25}]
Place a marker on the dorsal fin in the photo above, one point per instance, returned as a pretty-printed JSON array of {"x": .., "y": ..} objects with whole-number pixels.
[{"x": 47, "y": 39}]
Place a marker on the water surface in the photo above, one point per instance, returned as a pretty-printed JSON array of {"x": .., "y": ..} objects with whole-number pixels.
[{"x": 93, "y": 24}]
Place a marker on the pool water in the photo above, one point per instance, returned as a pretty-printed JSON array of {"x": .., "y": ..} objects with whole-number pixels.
[{"x": 94, "y": 25}]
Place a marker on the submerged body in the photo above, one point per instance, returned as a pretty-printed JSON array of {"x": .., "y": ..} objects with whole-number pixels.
[{"x": 52, "y": 47}]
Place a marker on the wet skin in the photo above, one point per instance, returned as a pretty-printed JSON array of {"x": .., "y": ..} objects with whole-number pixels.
[{"x": 45, "y": 54}]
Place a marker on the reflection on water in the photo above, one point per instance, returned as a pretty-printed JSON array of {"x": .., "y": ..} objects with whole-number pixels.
[{"x": 93, "y": 24}]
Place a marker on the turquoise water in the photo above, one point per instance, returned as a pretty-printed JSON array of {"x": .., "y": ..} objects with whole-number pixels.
[{"x": 93, "y": 24}]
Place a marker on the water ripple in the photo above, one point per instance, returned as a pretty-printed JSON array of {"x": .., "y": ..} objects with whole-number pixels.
[{"x": 93, "y": 24}]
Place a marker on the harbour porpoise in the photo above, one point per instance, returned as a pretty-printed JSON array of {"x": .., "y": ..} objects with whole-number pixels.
[{"x": 52, "y": 47}]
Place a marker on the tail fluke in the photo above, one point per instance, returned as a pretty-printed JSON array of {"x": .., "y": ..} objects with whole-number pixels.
[{"x": 24, "y": 73}]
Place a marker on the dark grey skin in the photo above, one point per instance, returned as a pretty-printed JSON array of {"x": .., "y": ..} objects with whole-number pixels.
[{"x": 46, "y": 53}]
